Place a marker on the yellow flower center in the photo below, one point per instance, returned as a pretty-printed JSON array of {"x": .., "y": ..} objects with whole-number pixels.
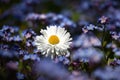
[{"x": 53, "y": 39}]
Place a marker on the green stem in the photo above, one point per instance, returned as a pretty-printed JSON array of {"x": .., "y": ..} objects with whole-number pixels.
[
  {"x": 103, "y": 43},
  {"x": 103, "y": 37}
]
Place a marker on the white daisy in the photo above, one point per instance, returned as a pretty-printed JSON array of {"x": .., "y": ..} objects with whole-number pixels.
[{"x": 53, "y": 41}]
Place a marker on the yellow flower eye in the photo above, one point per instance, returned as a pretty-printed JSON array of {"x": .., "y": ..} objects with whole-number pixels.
[{"x": 53, "y": 39}]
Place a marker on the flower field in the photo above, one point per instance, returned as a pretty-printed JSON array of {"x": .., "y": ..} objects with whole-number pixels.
[{"x": 59, "y": 40}]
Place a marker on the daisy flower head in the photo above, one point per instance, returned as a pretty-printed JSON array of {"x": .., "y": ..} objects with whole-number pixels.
[{"x": 54, "y": 41}]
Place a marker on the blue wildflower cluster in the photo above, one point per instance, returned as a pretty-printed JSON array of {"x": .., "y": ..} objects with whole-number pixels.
[{"x": 94, "y": 27}]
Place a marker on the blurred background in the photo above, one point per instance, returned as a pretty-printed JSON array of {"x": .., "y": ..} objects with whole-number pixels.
[
  {"x": 14, "y": 12},
  {"x": 94, "y": 26}
]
